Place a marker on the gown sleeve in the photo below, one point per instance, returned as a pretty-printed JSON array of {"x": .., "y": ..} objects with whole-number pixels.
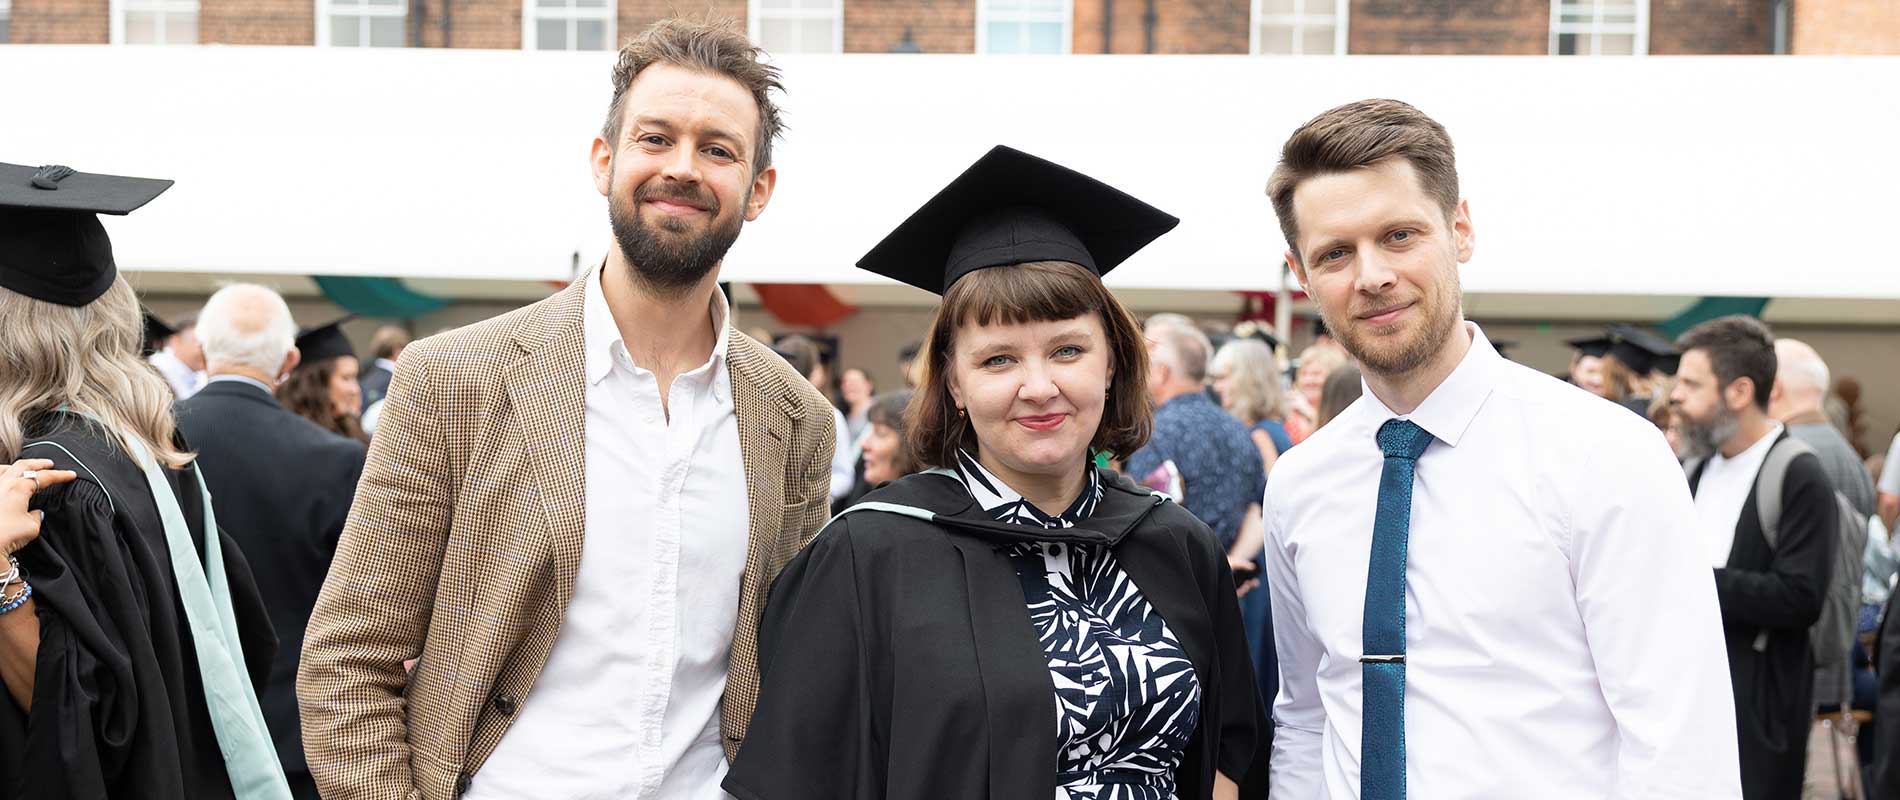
[
  {"x": 82, "y": 731},
  {"x": 814, "y": 734},
  {"x": 255, "y": 634},
  {"x": 1244, "y": 730}
]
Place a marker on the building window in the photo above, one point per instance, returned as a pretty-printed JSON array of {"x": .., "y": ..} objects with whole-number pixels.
[
  {"x": 567, "y": 25},
  {"x": 155, "y": 22},
  {"x": 1299, "y": 27},
  {"x": 797, "y": 26},
  {"x": 1599, "y": 27},
  {"x": 1040, "y": 27},
  {"x": 362, "y": 23},
  {"x": 6, "y": 21}
]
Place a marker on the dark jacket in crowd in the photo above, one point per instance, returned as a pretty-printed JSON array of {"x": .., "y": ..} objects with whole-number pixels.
[
  {"x": 1886, "y": 765},
  {"x": 374, "y": 382},
  {"x": 281, "y": 487},
  {"x": 1779, "y": 591}
]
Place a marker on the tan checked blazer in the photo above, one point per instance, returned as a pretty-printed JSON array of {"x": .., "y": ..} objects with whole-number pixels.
[{"x": 465, "y": 536}]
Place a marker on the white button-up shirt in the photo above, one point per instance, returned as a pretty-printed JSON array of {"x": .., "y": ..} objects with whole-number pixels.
[
  {"x": 628, "y": 703},
  {"x": 1722, "y": 492},
  {"x": 1562, "y": 634}
]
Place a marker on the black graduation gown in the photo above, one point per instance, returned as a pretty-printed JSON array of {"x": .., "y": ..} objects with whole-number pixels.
[
  {"x": 1780, "y": 590},
  {"x": 898, "y": 659},
  {"x": 118, "y": 705},
  {"x": 1885, "y": 781},
  {"x": 282, "y": 487}
]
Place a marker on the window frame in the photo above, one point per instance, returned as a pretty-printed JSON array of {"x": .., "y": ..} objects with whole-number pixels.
[
  {"x": 531, "y": 13},
  {"x": 984, "y": 17},
  {"x": 755, "y": 13},
  {"x": 326, "y": 9},
  {"x": 1596, "y": 30},
  {"x": 117, "y": 9},
  {"x": 1342, "y": 16}
]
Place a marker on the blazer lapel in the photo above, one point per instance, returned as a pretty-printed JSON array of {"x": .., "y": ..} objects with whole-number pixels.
[{"x": 547, "y": 387}]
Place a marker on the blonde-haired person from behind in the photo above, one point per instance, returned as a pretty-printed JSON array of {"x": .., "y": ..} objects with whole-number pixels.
[
  {"x": 133, "y": 642},
  {"x": 1246, "y": 375}
]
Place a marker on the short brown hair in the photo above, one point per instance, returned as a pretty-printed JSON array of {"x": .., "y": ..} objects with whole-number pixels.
[
  {"x": 1039, "y": 291},
  {"x": 712, "y": 47},
  {"x": 802, "y": 353},
  {"x": 388, "y": 341},
  {"x": 1356, "y": 136},
  {"x": 1738, "y": 347}
]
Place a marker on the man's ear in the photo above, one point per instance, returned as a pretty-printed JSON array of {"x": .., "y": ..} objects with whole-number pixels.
[
  {"x": 1740, "y": 394},
  {"x": 1299, "y": 272},
  {"x": 1464, "y": 236},
  {"x": 291, "y": 360},
  {"x": 601, "y": 160},
  {"x": 762, "y": 185}
]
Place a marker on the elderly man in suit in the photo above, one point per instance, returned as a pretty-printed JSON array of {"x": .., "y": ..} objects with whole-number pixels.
[
  {"x": 573, "y": 512},
  {"x": 280, "y": 485}
]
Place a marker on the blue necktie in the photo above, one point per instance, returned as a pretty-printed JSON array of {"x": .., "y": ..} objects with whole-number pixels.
[{"x": 1382, "y": 668}]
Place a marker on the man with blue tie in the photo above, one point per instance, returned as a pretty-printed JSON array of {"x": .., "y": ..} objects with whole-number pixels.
[{"x": 1486, "y": 583}]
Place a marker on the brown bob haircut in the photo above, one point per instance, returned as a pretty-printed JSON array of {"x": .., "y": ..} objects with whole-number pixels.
[
  {"x": 1357, "y": 136},
  {"x": 714, "y": 48},
  {"x": 1038, "y": 291}
]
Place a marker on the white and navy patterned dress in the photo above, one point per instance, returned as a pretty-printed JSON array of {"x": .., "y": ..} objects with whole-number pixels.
[{"x": 1127, "y": 699}]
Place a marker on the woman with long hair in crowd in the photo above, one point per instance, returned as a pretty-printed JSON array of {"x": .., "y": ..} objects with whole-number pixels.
[
  {"x": 323, "y": 388},
  {"x": 858, "y": 394},
  {"x": 1309, "y": 382},
  {"x": 1342, "y": 387},
  {"x": 1247, "y": 377},
  {"x": 133, "y": 640},
  {"x": 1012, "y": 622}
]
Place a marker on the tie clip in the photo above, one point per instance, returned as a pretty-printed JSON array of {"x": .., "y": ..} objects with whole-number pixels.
[{"x": 1398, "y": 659}]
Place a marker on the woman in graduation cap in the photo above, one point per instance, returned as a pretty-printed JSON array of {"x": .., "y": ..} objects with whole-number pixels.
[
  {"x": 322, "y": 387},
  {"x": 132, "y": 636},
  {"x": 1013, "y": 623}
]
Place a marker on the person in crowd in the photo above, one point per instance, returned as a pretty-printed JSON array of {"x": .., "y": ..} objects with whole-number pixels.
[
  {"x": 322, "y": 386},
  {"x": 385, "y": 347},
  {"x": 1800, "y": 389},
  {"x": 177, "y": 355},
  {"x": 1586, "y": 363},
  {"x": 1013, "y": 622},
  {"x": 1885, "y": 767},
  {"x": 858, "y": 393},
  {"x": 1887, "y": 489},
  {"x": 1513, "y": 647},
  {"x": 886, "y": 458},
  {"x": 907, "y": 365},
  {"x": 1770, "y": 592},
  {"x": 1632, "y": 366},
  {"x": 281, "y": 484},
  {"x": 806, "y": 359},
  {"x": 133, "y": 640},
  {"x": 1316, "y": 362},
  {"x": 572, "y": 512},
  {"x": 1343, "y": 387},
  {"x": 1246, "y": 376}
]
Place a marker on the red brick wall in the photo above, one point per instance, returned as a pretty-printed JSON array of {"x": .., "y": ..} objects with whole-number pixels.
[
  {"x": 61, "y": 22},
  {"x": 1455, "y": 27},
  {"x": 1181, "y": 26},
  {"x": 636, "y": 15},
  {"x": 935, "y": 26},
  {"x": 483, "y": 24},
  {"x": 257, "y": 22},
  {"x": 1712, "y": 27},
  {"x": 1831, "y": 27}
]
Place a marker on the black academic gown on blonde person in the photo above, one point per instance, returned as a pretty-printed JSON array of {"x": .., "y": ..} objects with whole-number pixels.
[
  {"x": 899, "y": 661},
  {"x": 118, "y": 704}
]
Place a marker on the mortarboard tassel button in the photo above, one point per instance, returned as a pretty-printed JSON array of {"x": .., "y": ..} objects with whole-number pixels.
[{"x": 49, "y": 176}]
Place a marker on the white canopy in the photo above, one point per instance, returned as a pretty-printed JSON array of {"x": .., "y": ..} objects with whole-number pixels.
[{"x": 1681, "y": 176}]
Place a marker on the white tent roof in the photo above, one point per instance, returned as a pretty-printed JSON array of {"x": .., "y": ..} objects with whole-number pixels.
[{"x": 1681, "y": 176}]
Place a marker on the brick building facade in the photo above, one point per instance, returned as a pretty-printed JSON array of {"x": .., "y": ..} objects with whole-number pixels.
[{"x": 1372, "y": 27}]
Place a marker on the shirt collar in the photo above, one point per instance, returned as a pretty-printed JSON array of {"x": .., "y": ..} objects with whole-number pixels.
[
  {"x": 387, "y": 364},
  {"x": 1448, "y": 411},
  {"x": 1007, "y": 505},
  {"x": 602, "y": 336},
  {"x": 241, "y": 379}
]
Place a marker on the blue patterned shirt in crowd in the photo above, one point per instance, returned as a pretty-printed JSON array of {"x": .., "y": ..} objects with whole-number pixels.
[
  {"x": 1127, "y": 699},
  {"x": 1220, "y": 467}
]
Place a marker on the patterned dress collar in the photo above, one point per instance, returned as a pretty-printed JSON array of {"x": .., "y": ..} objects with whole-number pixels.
[{"x": 1006, "y": 505}]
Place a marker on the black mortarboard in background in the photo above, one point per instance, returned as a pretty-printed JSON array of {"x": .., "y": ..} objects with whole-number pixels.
[
  {"x": 1592, "y": 346},
  {"x": 1641, "y": 350},
  {"x": 324, "y": 342},
  {"x": 1011, "y": 208},
  {"x": 52, "y": 246},
  {"x": 156, "y": 332}
]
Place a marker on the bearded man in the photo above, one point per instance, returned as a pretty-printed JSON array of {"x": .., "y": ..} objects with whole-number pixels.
[
  {"x": 572, "y": 513},
  {"x": 1485, "y": 582}
]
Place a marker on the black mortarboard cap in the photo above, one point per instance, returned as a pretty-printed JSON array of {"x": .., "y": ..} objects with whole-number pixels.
[
  {"x": 1593, "y": 346},
  {"x": 324, "y": 342},
  {"x": 156, "y": 331},
  {"x": 1011, "y": 208},
  {"x": 52, "y": 246},
  {"x": 1639, "y": 349}
]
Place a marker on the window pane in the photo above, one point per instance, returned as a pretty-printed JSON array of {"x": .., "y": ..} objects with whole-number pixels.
[
  {"x": 550, "y": 34},
  {"x": 590, "y": 34},
  {"x": 590, "y": 3},
  {"x": 778, "y": 35},
  {"x": 1045, "y": 37},
  {"x": 1616, "y": 44},
  {"x": 343, "y": 6},
  {"x": 346, "y": 30},
  {"x": 815, "y": 36},
  {"x": 821, "y": 5},
  {"x": 141, "y": 27},
  {"x": 181, "y": 28},
  {"x": 1278, "y": 6},
  {"x": 1276, "y": 40},
  {"x": 1317, "y": 40},
  {"x": 386, "y": 31},
  {"x": 777, "y": 4},
  {"x": 387, "y": 3},
  {"x": 1567, "y": 44},
  {"x": 6, "y": 28},
  {"x": 1005, "y": 37},
  {"x": 550, "y": 3}
]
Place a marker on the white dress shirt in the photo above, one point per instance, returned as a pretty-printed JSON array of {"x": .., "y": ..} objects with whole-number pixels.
[
  {"x": 844, "y": 459},
  {"x": 1722, "y": 491},
  {"x": 1890, "y": 474},
  {"x": 184, "y": 380},
  {"x": 628, "y": 703},
  {"x": 1562, "y": 634}
]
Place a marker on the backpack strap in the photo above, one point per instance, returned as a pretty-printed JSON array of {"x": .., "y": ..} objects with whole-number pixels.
[{"x": 1770, "y": 482}]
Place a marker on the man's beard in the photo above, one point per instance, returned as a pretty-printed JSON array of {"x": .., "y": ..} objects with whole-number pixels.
[
  {"x": 1702, "y": 438},
  {"x": 666, "y": 260},
  {"x": 1386, "y": 358}
]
